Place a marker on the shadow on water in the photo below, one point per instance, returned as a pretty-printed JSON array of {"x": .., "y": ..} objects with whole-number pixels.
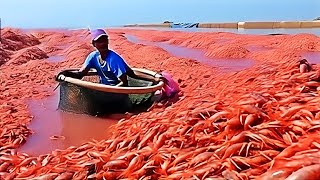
[
  {"x": 312, "y": 57},
  {"x": 227, "y": 65},
  {"x": 70, "y": 129}
]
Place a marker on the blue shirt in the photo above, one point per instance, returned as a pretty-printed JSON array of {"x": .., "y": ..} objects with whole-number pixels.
[{"x": 109, "y": 72}]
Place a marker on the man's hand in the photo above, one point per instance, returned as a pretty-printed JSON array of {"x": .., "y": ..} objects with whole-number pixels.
[
  {"x": 159, "y": 77},
  {"x": 70, "y": 73},
  {"x": 120, "y": 84}
]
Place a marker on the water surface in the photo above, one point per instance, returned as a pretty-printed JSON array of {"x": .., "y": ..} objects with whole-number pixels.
[
  {"x": 312, "y": 57},
  {"x": 69, "y": 129}
]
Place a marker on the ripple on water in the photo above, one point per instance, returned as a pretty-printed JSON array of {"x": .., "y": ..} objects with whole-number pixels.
[{"x": 75, "y": 128}]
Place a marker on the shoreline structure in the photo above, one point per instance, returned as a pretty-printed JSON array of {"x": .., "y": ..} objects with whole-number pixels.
[{"x": 244, "y": 25}]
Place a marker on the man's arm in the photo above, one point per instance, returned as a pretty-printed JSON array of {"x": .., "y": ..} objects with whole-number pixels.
[
  {"x": 84, "y": 70},
  {"x": 136, "y": 75},
  {"x": 73, "y": 73},
  {"x": 122, "y": 70},
  {"x": 139, "y": 75},
  {"x": 123, "y": 80},
  {"x": 87, "y": 65}
]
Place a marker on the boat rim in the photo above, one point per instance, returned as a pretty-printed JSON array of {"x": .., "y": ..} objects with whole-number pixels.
[{"x": 115, "y": 89}]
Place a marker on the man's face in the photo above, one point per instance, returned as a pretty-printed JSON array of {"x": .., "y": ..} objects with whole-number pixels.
[{"x": 102, "y": 44}]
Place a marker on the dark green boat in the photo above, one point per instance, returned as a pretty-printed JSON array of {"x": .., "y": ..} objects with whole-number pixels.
[{"x": 90, "y": 97}]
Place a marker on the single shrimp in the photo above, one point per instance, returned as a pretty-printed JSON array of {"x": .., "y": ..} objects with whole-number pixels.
[
  {"x": 181, "y": 158},
  {"x": 292, "y": 111},
  {"x": 254, "y": 110},
  {"x": 308, "y": 172},
  {"x": 142, "y": 171},
  {"x": 234, "y": 148},
  {"x": 200, "y": 158},
  {"x": 160, "y": 141},
  {"x": 150, "y": 134},
  {"x": 115, "y": 164},
  {"x": 135, "y": 163},
  {"x": 231, "y": 175},
  {"x": 178, "y": 168},
  {"x": 249, "y": 121},
  {"x": 111, "y": 174},
  {"x": 234, "y": 122},
  {"x": 218, "y": 116}
]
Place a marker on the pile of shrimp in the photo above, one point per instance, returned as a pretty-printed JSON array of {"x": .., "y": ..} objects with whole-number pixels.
[{"x": 259, "y": 123}]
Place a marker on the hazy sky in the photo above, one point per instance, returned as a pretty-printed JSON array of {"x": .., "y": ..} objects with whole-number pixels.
[{"x": 104, "y": 13}]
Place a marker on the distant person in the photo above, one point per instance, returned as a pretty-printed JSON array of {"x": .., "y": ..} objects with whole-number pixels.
[
  {"x": 111, "y": 68},
  {"x": 304, "y": 66}
]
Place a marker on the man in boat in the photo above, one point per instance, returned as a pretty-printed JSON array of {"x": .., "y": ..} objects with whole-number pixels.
[{"x": 111, "y": 67}]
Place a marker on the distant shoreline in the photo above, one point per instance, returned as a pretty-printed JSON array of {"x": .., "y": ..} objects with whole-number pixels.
[
  {"x": 241, "y": 25},
  {"x": 233, "y": 25}
]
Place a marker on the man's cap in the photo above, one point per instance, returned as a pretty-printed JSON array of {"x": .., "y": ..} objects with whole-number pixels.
[{"x": 97, "y": 33}]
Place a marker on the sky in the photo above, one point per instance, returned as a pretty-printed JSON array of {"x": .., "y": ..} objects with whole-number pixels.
[{"x": 109, "y": 13}]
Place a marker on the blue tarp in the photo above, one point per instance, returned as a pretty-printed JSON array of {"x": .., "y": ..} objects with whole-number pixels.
[{"x": 184, "y": 25}]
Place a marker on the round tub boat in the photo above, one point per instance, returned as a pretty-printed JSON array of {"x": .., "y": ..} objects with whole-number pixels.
[{"x": 88, "y": 96}]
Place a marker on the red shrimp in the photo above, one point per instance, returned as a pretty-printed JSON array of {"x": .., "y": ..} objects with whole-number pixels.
[
  {"x": 201, "y": 157},
  {"x": 234, "y": 148},
  {"x": 27, "y": 173},
  {"x": 254, "y": 110},
  {"x": 111, "y": 174},
  {"x": 160, "y": 141},
  {"x": 308, "y": 172},
  {"x": 136, "y": 163},
  {"x": 46, "y": 176},
  {"x": 181, "y": 158},
  {"x": 234, "y": 122},
  {"x": 218, "y": 116},
  {"x": 4, "y": 166},
  {"x": 249, "y": 121},
  {"x": 230, "y": 175},
  {"x": 150, "y": 134},
  {"x": 238, "y": 138},
  {"x": 115, "y": 164},
  {"x": 292, "y": 111},
  {"x": 63, "y": 176},
  {"x": 180, "y": 167},
  {"x": 142, "y": 171},
  {"x": 280, "y": 173}
]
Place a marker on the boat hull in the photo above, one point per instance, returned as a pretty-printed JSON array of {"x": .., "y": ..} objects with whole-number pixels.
[{"x": 79, "y": 99}]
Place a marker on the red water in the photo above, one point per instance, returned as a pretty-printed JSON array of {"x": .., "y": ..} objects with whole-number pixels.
[
  {"x": 225, "y": 65},
  {"x": 71, "y": 129},
  {"x": 56, "y": 58},
  {"x": 312, "y": 57}
]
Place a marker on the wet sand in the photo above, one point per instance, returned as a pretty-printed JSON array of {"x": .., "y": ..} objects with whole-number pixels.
[{"x": 261, "y": 89}]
